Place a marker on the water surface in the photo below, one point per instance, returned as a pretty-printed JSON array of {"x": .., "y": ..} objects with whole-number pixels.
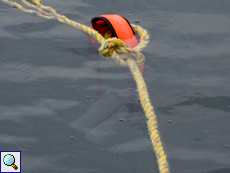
[{"x": 51, "y": 75}]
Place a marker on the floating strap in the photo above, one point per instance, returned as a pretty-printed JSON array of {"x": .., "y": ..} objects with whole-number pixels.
[{"x": 118, "y": 26}]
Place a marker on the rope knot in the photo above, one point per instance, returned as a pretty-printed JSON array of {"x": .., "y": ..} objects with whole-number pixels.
[{"x": 111, "y": 46}]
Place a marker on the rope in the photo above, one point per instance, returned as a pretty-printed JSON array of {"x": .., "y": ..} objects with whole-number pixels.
[{"x": 120, "y": 52}]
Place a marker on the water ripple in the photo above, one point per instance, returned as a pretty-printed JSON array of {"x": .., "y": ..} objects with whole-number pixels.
[
  {"x": 43, "y": 107},
  {"x": 219, "y": 102},
  {"x": 21, "y": 72},
  {"x": 98, "y": 7}
]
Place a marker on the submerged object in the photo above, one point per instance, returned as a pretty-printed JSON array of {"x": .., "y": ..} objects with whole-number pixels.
[
  {"x": 105, "y": 132},
  {"x": 108, "y": 104}
]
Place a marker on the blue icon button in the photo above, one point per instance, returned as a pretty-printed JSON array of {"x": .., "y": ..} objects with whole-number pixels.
[{"x": 9, "y": 160}]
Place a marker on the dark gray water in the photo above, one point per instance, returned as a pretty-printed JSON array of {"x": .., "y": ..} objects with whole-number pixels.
[{"x": 52, "y": 77}]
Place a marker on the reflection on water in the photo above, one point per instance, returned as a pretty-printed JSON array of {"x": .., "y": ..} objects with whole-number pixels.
[{"x": 53, "y": 79}]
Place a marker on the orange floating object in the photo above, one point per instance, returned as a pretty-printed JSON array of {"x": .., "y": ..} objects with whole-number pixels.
[{"x": 118, "y": 26}]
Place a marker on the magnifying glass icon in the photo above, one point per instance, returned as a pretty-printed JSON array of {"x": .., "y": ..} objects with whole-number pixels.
[{"x": 9, "y": 160}]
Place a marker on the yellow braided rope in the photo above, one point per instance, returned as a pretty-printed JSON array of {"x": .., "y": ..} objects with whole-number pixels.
[{"x": 109, "y": 49}]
